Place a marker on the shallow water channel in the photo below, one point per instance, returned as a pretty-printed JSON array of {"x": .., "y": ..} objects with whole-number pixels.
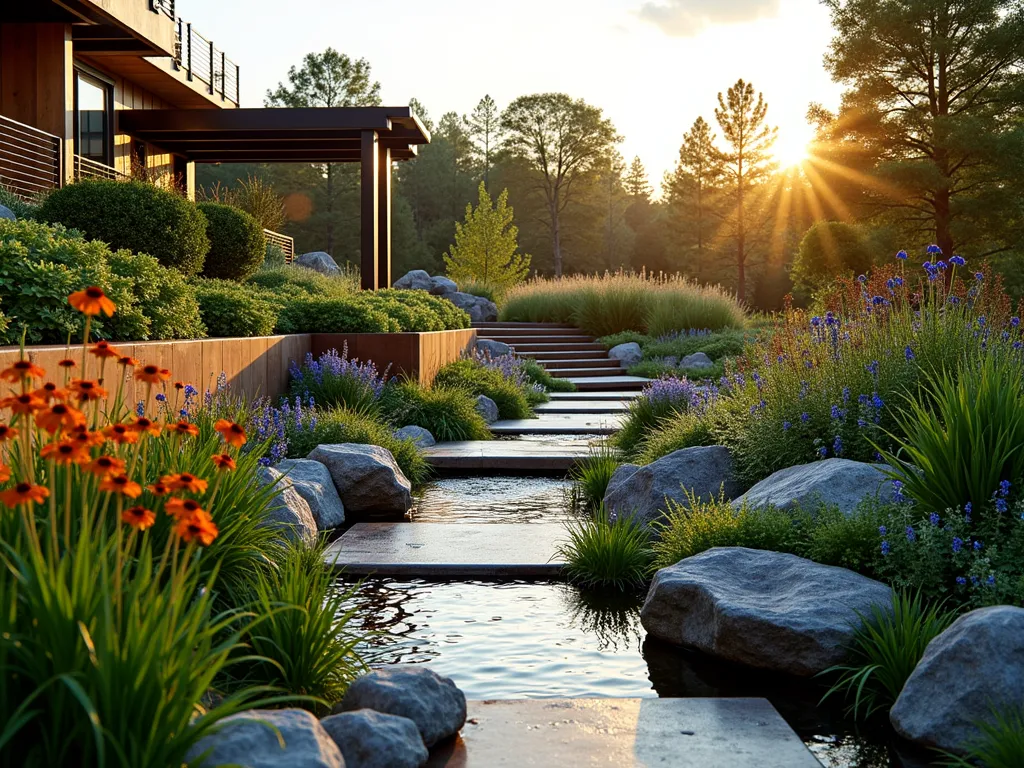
[{"x": 517, "y": 639}]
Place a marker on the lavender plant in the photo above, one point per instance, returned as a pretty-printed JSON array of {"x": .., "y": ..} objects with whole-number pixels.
[
  {"x": 336, "y": 380},
  {"x": 662, "y": 399}
]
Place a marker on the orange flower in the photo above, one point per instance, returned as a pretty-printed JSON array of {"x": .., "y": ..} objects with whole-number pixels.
[
  {"x": 67, "y": 362},
  {"x": 142, "y": 425},
  {"x": 22, "y": 369},
  {"x": 121, "y": 434},
  {"x": 92, "y": 301},
  {"x": 158, "y": 489},
  {"x": 128, "y": 361},
  {"x": 139, "y": 517},
  {"x": 85, "y": 438},
  {"x": 7, "y": 433},
  {"x": 199, "y": 526},
  {"x": 152, "y": 374},
  {"x": 121, "y": 484},
  {"x": 103, "y": 349},
  {"x": 60, "y": 416},
  {"x": 232, "y": 433},
  {"x": 104, "y": 466},
  {"x": 5, "y": 473},
  {"x": 185, "y": 482},
  {"x": 50, "y": 391},
  {"x": 22, "y": 404},
  {"x": 23, "y": 493},
  {"x": 183, "y": 428},
  {"x": 182, "y": 508},
  {"x": 223, "y": 461},
  {"x": 65, "y": 452},
  {"x": 86, "y": 389}
]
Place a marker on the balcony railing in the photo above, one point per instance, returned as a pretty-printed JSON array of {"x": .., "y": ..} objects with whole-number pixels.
[
  {"x": 285, "y": 243},
  {"x": 166, "y": 7},
  {"x": 90, "y": 169},
  {"x": 30, "y": 159},
  {"x": 203, "y": 61}
]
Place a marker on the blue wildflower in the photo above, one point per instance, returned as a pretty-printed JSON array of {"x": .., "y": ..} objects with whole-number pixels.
[
  {"x": 941, "y": 265},
  {"x": 885, "y": 547},
  {"x": 911, "y": 536},
  {"x": 1014, "y": 321},
  {"x": 846, "y": 394},
  {"x": 837, "y": 446},
  {"x": 1004, "y": 488},
  {"x": 991, "y": 580},
  {"x": 883, "y": 530},
  {"x": 786, "y": 425},
  {"x": 977, "y": 546},
  {"x": 837, "y": 412},
  {"x": 979, "y": 276},
  {"x": 861, "y": 423},
  {"x": 872, "y": 367},
  {"x": 958, "y": 543},
  {"x": 161, "y": 397},
  {"x": 908, "y": 353},
  {"x": 862, "y": 278},
  {"x": 901, "y": 255},
  {"x": 815, "y": 321},
  {"x": 823, "y": 452},
  {"x": 961, "y": 580},
  {"x": 933, "y": 518},
  {"x": 877, "y": 401},
  {"x": 954, "y": 300},
  {"x": 140, "y": 409},
  {"x": 934, "y": 249},
  {"x": 1001, "y": 505},
  {"x": 968, "y": 507},
  {"x": 805, "y": 417},
  {"x": 957, "y": 261},
  {"x": 897, "y": 492}
]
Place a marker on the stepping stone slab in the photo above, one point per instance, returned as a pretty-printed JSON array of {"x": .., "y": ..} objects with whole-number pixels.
[
  {"x": 609, "y": 395},
  {"x": 607, "y": 383},
  {"x": 560, "y": 424},
  {"x": 249, "y": 739},
  {"x": 441, "y": 550},
  {"x": 582, "y": 406},
  {"x": 553, "y": 456},
  {"x": 369, "y": 739},
  {"x": 683, "y": 733}
]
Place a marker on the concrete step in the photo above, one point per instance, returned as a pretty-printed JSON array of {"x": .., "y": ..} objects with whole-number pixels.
[
  {"x": 589, "y": 407},
  {"x": 541, "y": 357},
  {"x": 589, "y": 384},
  {"x": 587, "y": 362},
  {"x": 554, "y": 456},
  {"x": 562, "y": 373},
  {"x": 518, "y": 325},
  {"x": 517, "y": 339},
  {"x": 574, "y": 397},
  {"x": 503, "y": 332},
  {"x": 560, "y": 424},
  {"x": 528, "y": 349}
]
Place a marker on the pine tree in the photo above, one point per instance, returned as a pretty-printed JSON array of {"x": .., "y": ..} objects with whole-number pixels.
[
  {"x": 486, "y": 249},
  {"x": 635, "y": 182},
  {"x": 484, "y": 131},
  {"x": 747, "y": 164}
]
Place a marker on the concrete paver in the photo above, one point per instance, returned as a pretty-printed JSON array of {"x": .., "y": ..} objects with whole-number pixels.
[
  {"x": 600, "y": 395},
  {"x": 500, "y": 455},
  {"x": 583, "y": 406},
  {"x": 560, "y": 424}
]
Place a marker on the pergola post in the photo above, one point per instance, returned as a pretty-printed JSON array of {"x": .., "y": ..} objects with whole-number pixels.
[
  {"x": 384, "y": 218},
  {"x": 369, "y": 219}
]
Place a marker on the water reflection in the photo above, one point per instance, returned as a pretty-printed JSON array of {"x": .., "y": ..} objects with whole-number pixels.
[{"x": 492, "y": 499}]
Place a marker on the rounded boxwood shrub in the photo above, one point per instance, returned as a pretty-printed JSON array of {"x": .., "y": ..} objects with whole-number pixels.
[
  {"x": 423, "y": 311},
  {"x": 295, "y": 280},
  {"x": 229, "y": 309},
  {"x": 166, "y": 298},
  {"x": 237, "y": 243},
  {"x": 315, "y": 314},
  {"x": 134, "y": 215}
]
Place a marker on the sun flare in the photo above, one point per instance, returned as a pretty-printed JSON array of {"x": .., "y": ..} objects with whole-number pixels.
[{"x": 791, "y": 150}]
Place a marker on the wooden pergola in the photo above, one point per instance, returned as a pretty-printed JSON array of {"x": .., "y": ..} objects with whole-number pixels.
[{"x": 370, "y": 136}]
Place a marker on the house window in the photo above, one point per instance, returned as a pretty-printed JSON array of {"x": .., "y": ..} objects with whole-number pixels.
[{"x": 94, "y": 137}]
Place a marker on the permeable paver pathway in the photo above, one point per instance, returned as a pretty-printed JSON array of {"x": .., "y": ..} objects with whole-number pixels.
[
  {"x": 447, "y": 550},
  {"x": 560, "y": 424},
  {"x": 557, "y": 456},
  {"x": 682, "y": 733}
]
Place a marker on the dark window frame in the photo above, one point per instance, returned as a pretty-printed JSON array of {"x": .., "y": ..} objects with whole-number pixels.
[{"x": 108, "y": 88}]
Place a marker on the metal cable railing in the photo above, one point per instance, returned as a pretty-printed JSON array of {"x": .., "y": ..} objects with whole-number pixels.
[
  {"x": 91, "y": 169},
  {"x": 30, "y": 159},
  {"x": 166, "y": 7},
  {"x": 284, "y": 242},
  {"x": 203, "y": 61}
]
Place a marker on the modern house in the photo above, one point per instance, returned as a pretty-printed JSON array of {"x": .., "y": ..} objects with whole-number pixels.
[{"x": 124, "y": 88}]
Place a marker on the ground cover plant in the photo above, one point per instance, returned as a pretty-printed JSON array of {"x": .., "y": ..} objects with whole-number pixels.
[{"x": 663, "y": 355}]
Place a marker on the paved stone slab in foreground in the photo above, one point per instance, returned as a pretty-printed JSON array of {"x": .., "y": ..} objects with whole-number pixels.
[
  {"x": 533, "y": 455},
  {"x": 583, "y": 406},
  {"x": 605, "y": 383},
  {"x": 558, "y": 397},
  {"x": 560, "y": 424},
  {"x": 682, "y": 733},
  {"x": 442, "y": 550}
]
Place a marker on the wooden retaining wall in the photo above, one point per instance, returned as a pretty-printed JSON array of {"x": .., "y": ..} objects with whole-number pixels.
[{"x": 416, "y": 355}]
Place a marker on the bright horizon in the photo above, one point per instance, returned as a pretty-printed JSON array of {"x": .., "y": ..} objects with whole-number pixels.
[{"x": 631, "y": 58}]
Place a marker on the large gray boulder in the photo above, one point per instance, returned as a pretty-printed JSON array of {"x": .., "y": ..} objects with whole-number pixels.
[
  {"x": 249, "y": 739},
  {"x": 976, "y": 664},
  {"x": 288, "y": 510},
  {"x": 439, "y": 285},
  {"x": 313, "y": 482},
  {"x": 697, "y": 360},
  {"x": 480, "y": 310},
  {"x": 7, "y": 213},
  {"x": 416, "y": 280},
  {"x": 628, "y": 354},
  {"x": 367, "y": 477},
  {"x": 492, "y": 349},
  {"x": 839, "y": 482},
  {"x": 764, "y": 609},
  {"x": 319, "y": 261},
  {"x": 640, "y": 492},
  {"x": 487, "y": 408},
  {"x": 433, "y": 702},
  {"x": 420, "y": 436},
  {"x": 369, "y": 739}
]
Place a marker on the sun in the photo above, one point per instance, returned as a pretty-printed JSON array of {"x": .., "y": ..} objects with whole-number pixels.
[{"x": 791, "y": 149}]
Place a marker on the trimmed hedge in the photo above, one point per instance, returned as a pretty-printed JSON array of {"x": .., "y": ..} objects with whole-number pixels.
[
  {"x": 293, "y": 280},
  {"x": 237, "y": 243},
  {"x": 230, "y": 309},
  {"x": 315, "y": 314},
  {"x": 164, "y": 296},
  {"x": 134, "y": 215}
]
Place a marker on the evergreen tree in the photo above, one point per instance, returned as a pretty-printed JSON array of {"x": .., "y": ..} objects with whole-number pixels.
[
  {"x": 483, "y": 126},
  {"x": 636, "y": 182},
  {"x": 747, "y": 164},
  {"x": 486, "y": 248}
]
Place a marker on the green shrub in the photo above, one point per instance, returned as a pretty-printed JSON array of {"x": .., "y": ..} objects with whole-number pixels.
[
  {"x": 538, "y": 374},
  {"x": 886, "y": 647},
  {"x": 475, "y": 379},
  {"x": 658, "y": 402},
  {"x": 134, "y": 215},
  {"x": 275, "y": 257},
  {"x": 418, "y": 310},
  {"x": 18, "y": 206},
  {"x": 847, "y": 541},
  {"x": 655, "y": 369},
  {"x": 229, "y": 309},
  {"x": 292, "y": 280},
  {"x": 626, "y": 337},
  {"x": 684, "y": 430},
  {"x": 1000, "y": 743},
  {"x": 167, "y": 299},
  {"x": 715, "y": 345},
  {"x": 488, "y": 291},
  {"x": 607, "y": 553},
  {"x": 237, "y": 243},
  {"x": 590, "y": 477},
  {"x": 448, "y": 414},
  {"x": 314, "y": 314},
  {"x": 830, "y": 249}
]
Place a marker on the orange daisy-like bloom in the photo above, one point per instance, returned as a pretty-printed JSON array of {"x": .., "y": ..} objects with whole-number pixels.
[
  {"x": 121, "y": 434},
  {"x": 142, "y": 425},
  {"x": 7, "y": 433},
  {"x": 22, "y": 369},
  {"x": 197, "y": 526},
  {"x": 158, "y": 489},
  {"x": 152, "y": 374},
  {"x": 183, "y": 428},
  {"x": 232, "y": 433},
  {"x": 103, "y": 349},
  {"x": 84, "y": 437},
  {"x": 23, "y": 493},
  {"x": 185, "y": 481},
  {"x": 182, "y": 508},
  {"x": 22, "y": 404},
  {"x": 104, "y": 466},
  {"x": 67, "y": 362},
  {"x": 121, "y": 484},
  {"x": 139, "y": 517},
  {"x": 5, "y": 473},
  {"x": 127, "y": 361},
  {"x": 223, "y": 461},
  {"x": 87, "y": 389},
  {"x": 60, "y": 416},
  {"x": 65, "y": 452},
  {"x": 92, "y": 301},
  {"x": 50, "y": 391}
]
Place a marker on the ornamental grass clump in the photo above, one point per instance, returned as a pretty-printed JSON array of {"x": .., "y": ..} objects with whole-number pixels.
[
  {"x": 607, "y": 551},
  {"x": 590, "y": 476},
  {"x": 117, "y": 526},
  {"x": 659, "y": 400},
  {"x": 999, "y": 744}
]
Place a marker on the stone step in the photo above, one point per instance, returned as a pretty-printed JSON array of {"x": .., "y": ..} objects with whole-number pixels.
[
  {"x": 500, "y": 324},
  {"x": 526, "y": 350},
  {"x": 583, "y": 406},
  {"x": 626, "y": 733},
  {"x": 560, "y": 424},
  {"x": 587, "y": 384},
  {"x": 517, "y": 340},
  {"x": 448, "y": 550},
  {"x": 562, "y": 373},
  {"x": 585, "y": 362},
  {"x": 559, "y": 397},
  {"x": 508, "y": 332},
  {"x": 554, "y": 456},
  {"x": 541, "y": 357}
]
